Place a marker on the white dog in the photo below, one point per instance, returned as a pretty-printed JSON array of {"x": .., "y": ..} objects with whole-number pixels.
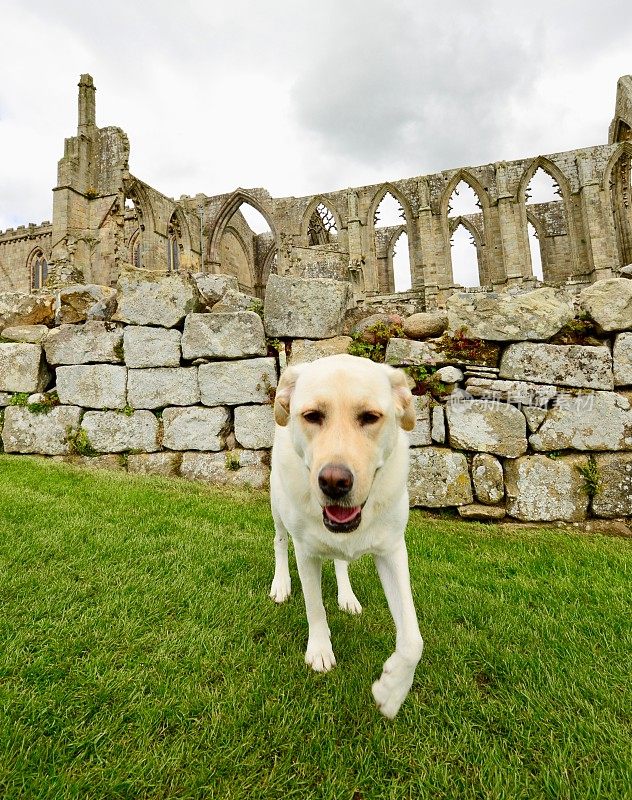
[{"x": 338, "y": 486}]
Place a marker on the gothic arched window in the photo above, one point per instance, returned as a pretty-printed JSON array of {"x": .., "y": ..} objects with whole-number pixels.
[
  {"x": 39, "y": 269},
  {"x": 173, "y": 245}
]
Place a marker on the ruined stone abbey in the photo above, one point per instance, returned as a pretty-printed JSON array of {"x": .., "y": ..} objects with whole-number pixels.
[{"x": 104, "y": 218}]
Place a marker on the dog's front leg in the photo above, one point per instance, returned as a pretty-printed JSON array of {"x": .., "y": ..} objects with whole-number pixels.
[
  {"x": 397, "y": 677},
  {"x": 319, "y": 654}
]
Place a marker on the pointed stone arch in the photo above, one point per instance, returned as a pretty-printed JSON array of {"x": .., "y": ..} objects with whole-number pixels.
[
  {"x": 37, "y": 265},
  {"x": 384, "y": 189},
  {"x": 384, "y": 261},
  {"x": 463, "y": 222},
  {"x": 551, "y": 169},
  {"x": 474, "y": 184},
  {"x": 312, "y": 209},
  {"x": 229, "y": 208},
  {"x": 484, "y": 270},
  {"x": 552, "y": 271}
]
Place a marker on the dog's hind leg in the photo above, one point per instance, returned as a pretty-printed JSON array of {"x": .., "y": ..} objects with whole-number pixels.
[
  {"x": 347, "y": 601},
  {"x": 281, "y": 583}
]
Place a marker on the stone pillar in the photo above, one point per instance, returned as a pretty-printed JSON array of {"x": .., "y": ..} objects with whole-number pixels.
[
  {"x": 510, "y": 224},
  {"x": 597, "y": 222},
  {"x": 87, "y": 105},
  {"x": 363, "y": 278},
  {"x": 430, "y": 286}
]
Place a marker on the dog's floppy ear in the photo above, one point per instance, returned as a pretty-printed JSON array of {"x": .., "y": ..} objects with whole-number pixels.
[
  {"x": 403, "y": 398},
  {"x": 283, "y": 395}
]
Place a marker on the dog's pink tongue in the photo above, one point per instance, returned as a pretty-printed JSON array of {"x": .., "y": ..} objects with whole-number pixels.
[{"x": 341, "y": 513}]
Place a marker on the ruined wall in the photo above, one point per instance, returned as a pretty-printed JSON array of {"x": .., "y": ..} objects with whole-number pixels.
[
  {"x": 523, "y": 400},
  {"x": 18, "y": 248},
  {"x": 584, "y": 237}
]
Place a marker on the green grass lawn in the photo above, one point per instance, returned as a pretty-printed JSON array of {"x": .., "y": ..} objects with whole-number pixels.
[{"x": 140, "y": 656}]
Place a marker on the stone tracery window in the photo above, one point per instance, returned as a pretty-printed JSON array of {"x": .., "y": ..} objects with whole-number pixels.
[
  {"x": 322, "y": 226},
  {"x": 39, "y": 269}
]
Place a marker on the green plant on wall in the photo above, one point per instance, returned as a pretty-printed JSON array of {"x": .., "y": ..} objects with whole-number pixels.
[
  {"x": 590, "y": 473},
  {"x": 463, "y": 349},
  {"x": 78, "y": 442},
  {"x": 426, "y": 381},
  {"x": 371, "y": 342}
]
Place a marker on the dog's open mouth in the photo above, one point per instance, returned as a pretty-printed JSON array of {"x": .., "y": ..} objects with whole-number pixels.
[{"x": 342, "y": 519}]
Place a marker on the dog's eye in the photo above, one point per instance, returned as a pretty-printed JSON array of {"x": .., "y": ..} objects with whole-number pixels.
[
  {"x": 368, "y": 417},
  {"x": 315, "y": 417}
]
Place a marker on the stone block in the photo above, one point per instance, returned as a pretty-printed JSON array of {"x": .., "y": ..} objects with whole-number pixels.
[
  {"x": 46, "y": 434},
  {"x": 520, "y": 393},
  {"x": 22, "y": 368},
  {"x": 426, "y": 324},
  {"x": 165, "y": 464},
  {"x": 26, "y": 309},
  {"x": 614, "y": 492},
  {"x": 563, "y": 365},
  {"x": 163, "y": 300},
  {"x": 239, "y": 468},
  {"x": 622, "y": 359},
  {"x": 195, "y": 428},
  {"x": 488, "y": 478},
  {"x": 213, "y": 287},
  {"x": 79, "y": 302},
  {"x": 305, "y": 350},
  {"x": 224, "y": 335},
  {"x": 305, "y": 307},
  {"x": 541, "y": 489},
  {"x": 487, "y": 427},
  {"x": 235, "y": 383},
  {"x": 420, "y": 434},
  {"x": 609, "y": 303},
  {"x": 449, "y": 375},
  {"x": 595, "y": 421},
  {"x": 32, "y": 334},
  {"x": 92, "y": 385},
  {"x": 233, "y": 300},
  {"x": 437, "y": 431},
  {"x": 481, "y": 513},
  {"x": 254, "y": 426},
  {"x": 438, "y": 478},
  {"x": 404, "y": 352},
  {"x": 163, "y": 386},
  {"x": 535, "y": 417},
  {"x": 92, "y": 342},
  {"x": 113, "y": 432},
  {"x": 535, "y": 315},
  {"x": 147, "y": 347},
  {"x": 5, "y": 399}
]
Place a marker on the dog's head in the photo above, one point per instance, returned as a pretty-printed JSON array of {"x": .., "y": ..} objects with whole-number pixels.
[{"x": 344, "y": 413}]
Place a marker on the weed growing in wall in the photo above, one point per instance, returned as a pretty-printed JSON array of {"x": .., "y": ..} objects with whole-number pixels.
[
  {"x": 465, "y": 349},
  {"x": 371, "y": 342},
  {"x": 79, "y": 443},
  {"x": 590, "y": 473},
  {"x": 232, "y": 461},
  {"x": 427, "y": 382}
]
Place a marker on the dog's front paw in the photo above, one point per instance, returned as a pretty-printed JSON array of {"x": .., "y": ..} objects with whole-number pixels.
[
  {"x": 349, "y": 603},
  {"x": 281, "y": 588},
  {"x": 320, "y": 655},
  {"x": 394, "y": 684}
]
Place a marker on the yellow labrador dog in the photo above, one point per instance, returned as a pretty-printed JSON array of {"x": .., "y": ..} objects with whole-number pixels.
[{"x": 338, "y": 486}]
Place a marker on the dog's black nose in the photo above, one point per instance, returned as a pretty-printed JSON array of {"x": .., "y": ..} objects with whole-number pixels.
[{"x": 335, "y": 481}]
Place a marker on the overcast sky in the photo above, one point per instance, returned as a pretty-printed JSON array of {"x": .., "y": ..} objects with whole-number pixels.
[{"x": 303, "y": 97}]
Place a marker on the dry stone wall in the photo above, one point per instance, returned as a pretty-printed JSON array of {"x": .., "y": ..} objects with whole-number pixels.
[{"x": 523, "y": 400}]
